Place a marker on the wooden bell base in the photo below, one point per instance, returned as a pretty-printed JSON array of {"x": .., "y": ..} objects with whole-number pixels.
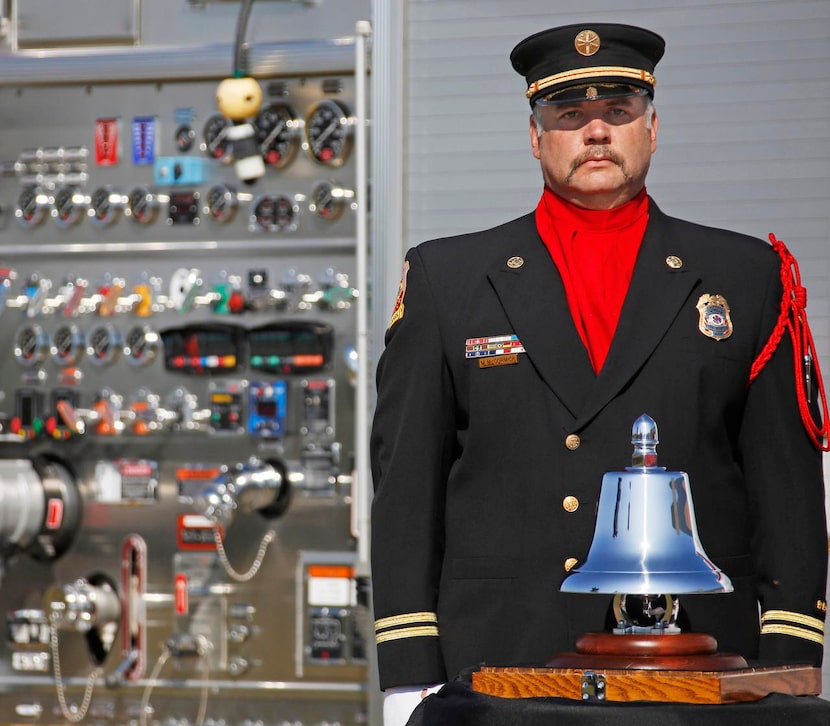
[
  {"x": 679, "y": 668},
  {"x": 676, "y": 652}
]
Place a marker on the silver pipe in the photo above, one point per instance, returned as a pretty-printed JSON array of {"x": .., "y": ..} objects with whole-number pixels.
[
  {"x": 165, "y": 63},
  {"x": 363, "y": 486}
]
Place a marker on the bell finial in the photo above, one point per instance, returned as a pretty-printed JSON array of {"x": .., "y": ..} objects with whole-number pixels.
[{"x": 645, "y": 439}]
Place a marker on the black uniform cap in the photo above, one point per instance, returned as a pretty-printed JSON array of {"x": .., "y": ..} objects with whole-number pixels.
[{"x": 588, "y": 61}]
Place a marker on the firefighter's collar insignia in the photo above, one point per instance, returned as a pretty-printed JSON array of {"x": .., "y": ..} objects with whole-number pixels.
[{"x": 714, "y": 321}]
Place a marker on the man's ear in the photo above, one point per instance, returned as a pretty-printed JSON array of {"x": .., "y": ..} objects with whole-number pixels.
[{"x": 534, "y": 138}]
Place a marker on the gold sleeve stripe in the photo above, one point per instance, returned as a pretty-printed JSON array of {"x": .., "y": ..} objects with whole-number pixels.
[
  {"x": 792, "y": 631},
  {"x": 594, "y": 72},
  {"x": 791, "y": 617},
  {"x": 396, "y": 621},
  {"x": 422, "y": 632}
]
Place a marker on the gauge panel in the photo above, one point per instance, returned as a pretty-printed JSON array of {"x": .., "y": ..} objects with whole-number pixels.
[
  {"x": 68, "y": 206},
  {"x": 141, "y": 345},
  {"x": 329, "y": 200},
  {"x": 105, "y": 205},
  {"x": 184, "y": 137},
  {"x": 215, "y": 141},
  {"x": 142, "y": 205},
  {"x": 329, "y": 132},
  {"x": 30, "y": 345},
  {"x": 32, "y": 206},
  {"x": 222, "y": 203},
  {"x": 277, "y": 128},
  {"x": 68, "y": 344},
  {"x": 104, "y": 344},
  {"x": 274, "y": 213}
]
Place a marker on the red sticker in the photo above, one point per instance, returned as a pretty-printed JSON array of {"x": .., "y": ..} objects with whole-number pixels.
[{"x": 54, "y": 513}]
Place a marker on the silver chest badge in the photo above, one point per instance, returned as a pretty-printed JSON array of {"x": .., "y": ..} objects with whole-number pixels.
[{"x": 714, "y": 319}]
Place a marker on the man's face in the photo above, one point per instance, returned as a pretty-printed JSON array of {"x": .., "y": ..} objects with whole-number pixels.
[{"x": 595, "y": 154}]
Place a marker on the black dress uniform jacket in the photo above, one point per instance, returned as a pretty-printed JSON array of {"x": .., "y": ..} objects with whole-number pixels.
[{"x": 472, "y": 464}]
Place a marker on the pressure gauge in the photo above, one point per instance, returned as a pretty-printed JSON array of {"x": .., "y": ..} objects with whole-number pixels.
[
  {"x": 105, "y": 205},
  {"x": 221, "y": 203},
  {"x": 141, "y": 345},
  {"x": 328, "y": 132},
  {"x": 142, "y": 205},
  {"x": 68, "y": 205},
  {"x": 68, "y": 345},
  {"x": 277, "y": 129},
  {"x": 103, "y": 344},
  {"x": 32, "y": 206},
  {"x": 274, "y": 214},
  {"x": 215, "y": 134},
  {"x": 184, "y": 137},
  {"x": 328, "y": 200},
  {"x": 30, "y": 345}
]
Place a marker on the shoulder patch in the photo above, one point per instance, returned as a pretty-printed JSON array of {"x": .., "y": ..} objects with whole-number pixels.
[{"x": 397, "y": 313}]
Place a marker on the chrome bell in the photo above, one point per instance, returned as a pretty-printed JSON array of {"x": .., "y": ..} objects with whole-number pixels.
[{"x": 645, "y": 538}]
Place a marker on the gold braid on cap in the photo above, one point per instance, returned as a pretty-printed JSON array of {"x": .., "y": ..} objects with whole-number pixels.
[{"x": 594, "y": 72}]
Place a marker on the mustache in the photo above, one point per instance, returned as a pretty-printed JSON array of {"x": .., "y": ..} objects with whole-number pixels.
[{"x": 596, "y": 152}]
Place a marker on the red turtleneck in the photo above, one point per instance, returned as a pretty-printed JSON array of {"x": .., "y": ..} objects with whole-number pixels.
[{"x": 595, "y": 252}]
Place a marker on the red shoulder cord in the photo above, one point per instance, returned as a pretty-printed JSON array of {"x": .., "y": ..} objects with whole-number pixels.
[{"x": 793, "y": 319}]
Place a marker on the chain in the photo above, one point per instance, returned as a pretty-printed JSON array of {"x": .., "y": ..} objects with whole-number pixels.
[
  {"x": 75, "y": 713},
  {"x": 269, "y": 537},
  {"x": 151, "y": 682},
  {"x": 204, "y": 648}
]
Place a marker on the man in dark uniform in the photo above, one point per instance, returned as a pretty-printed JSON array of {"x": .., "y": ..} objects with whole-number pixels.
[{"x": 517, "y": 360}]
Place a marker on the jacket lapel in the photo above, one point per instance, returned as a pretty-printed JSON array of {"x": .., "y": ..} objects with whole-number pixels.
[
  {"x": 655, "y": 297},
  {"x": 533, "y": 298}
]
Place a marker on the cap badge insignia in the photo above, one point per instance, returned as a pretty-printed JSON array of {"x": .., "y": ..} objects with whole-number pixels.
[
  {"x": 714, "y": 319},
  {"x": 514, "y": 263},
  {"x": 591, "y": 93},
  {"x": 397, "y": 313},
  {"x": 586, "y": 42}
]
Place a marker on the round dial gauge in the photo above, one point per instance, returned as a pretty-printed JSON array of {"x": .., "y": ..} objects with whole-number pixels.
[
  {"x": 68, "y": 345},
  {"x": 142, "y": 205},
  {"x": 32, "y": 206},
  {"x": 185, "y": 137},
  {"x": 103, "y": 345},
  {"x": 328, "y": 200},
  {"x": 30, "y": 345},
  {"x": 277, "y": 129},
  {"x": 68, "y": 206},
  {"x": 221, "y": 203},
  {"x": 328, "y": 132},
  {"x": 104, "y": 206},
  {"x": 274, "y": 214},
  {"x": 215, "y": 134},
  {"x": 141, "y": 345}
]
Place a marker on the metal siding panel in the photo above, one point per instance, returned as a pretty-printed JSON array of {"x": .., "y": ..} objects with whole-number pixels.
[{"x": 46, "y": 22}]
